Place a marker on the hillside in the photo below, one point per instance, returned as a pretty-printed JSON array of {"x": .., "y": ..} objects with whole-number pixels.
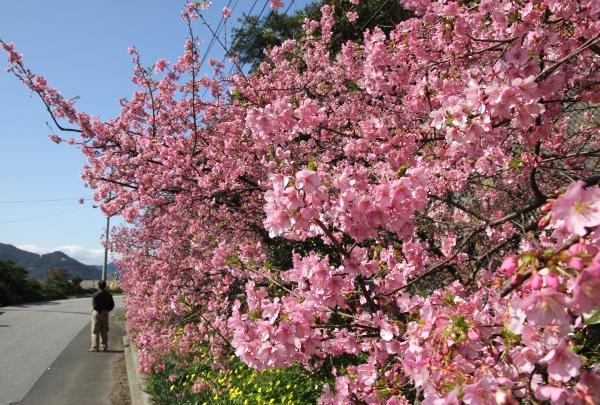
[{"x": 38, "y": 265}]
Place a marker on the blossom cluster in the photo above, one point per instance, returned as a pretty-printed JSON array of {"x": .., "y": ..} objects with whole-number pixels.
[{"x": 419, "y": 211}]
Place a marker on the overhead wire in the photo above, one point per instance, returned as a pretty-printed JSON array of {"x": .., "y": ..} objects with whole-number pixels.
[
  {"x": 284, "y": 14},
  {"x": 381, "y": 6},
  {"x": 254, "y": 26},
  {"x": 238, "y": 33},
  {"x": 10, "y": 221},
  {"x": 368, "y": 21},
  {"x": 288, "y": 7},
  {"x": 217, "y": 30},
  {"x": 43, "y": 201}
]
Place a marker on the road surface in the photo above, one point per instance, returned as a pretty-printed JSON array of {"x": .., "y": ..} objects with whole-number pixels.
[{"x": 33, "y": 339}]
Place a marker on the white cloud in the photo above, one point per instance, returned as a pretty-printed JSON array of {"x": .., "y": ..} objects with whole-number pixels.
[{"x": 80, "y": 253}]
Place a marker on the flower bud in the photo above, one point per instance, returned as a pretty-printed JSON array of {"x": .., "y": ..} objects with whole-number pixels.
[
  {"x": 576, "y": 263},
  {"x": 552, "y": 280},
  {"x": 535, "y": 282},
  {"x": 509, "y": 265},
  {"x": 545, "y": 221},
  {"x": 547, "y": 207}
]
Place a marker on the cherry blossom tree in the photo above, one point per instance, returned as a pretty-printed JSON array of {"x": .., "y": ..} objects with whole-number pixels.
[{"x": 435, "y": 191}]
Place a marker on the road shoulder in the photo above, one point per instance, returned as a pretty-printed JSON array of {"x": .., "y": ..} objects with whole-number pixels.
[{"x": 78, "y": 376}]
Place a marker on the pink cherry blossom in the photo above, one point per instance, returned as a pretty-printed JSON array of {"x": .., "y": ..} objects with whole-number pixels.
[
  {"x": 352, "y": 16},
  {"x": 578, "y": 208},
  {"x": 276, "y": 4},
  {"x": 545, "y": 307},
  {"x": 509, "y": 265},
  {"x": 516, "y": 55},
  {"x": 307, "y": 180},
  {"x": 585, "y": 291},
  {"x": 366, "y": 374},
  {"x": 556, "y": 395},
  {"x": 563, "y": 364},
  {"x": 160, "y": 65},
  {"x": 481, "y": 392},
  {"x": 587, "y": 390}
]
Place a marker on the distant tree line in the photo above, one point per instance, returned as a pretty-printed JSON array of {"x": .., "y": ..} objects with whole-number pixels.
[{"x": 17, "y": 288}]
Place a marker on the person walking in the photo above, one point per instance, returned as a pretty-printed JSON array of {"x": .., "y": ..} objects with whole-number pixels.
[{"x": 103, "y": 303}]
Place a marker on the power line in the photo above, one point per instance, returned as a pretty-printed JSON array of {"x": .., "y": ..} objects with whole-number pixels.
[
  {"x": 288, "y": 7},
  {"x": 245, "y": 20},
  {"x": 374, "y": 14},
  {"x": 42, "y": 201},
  {"x": 253, "y": 29},
  {"x": 371, "y": 17},
  {"x": 39, "y": 217},
  {"x": 218, "y": 30},
  {"x": 225, "y": 22},
  {"x": 271, "y": 13},
  {"x": 238, "y": 33}
]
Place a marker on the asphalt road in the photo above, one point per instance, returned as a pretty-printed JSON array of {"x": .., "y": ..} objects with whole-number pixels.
[{"x": 40, "y": 342}]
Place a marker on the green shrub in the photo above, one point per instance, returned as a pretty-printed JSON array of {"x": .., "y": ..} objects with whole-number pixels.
[
  {"x": 240, "y": 384},
  {"x": 15, "y": 287}
]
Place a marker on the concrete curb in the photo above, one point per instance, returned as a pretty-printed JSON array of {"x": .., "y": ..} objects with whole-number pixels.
[{"x": 134, "y": 378}]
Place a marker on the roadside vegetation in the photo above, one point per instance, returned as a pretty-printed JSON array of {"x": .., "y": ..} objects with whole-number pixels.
[
  {"x": 16, "y": 288},
  {"x": 200, "y": 382}
]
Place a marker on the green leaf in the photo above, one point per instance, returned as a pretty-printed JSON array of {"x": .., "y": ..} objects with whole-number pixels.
[
  {"x": 594, "y": 318},
  {"x": 238, "y": 96}
]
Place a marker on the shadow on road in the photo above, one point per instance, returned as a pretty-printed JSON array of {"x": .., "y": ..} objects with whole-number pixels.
[
  {"x": 33, "y": 307},
  {"x": 46, "y": 310},
  {"x": 78, "y": 377},
  {"x": 36, "y": 304}
]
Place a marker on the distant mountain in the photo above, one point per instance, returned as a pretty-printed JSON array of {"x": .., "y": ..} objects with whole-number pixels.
[{"x": 38, "y": 265}]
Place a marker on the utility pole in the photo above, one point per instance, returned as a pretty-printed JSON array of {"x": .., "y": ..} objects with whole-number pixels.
[{"x": 104, "y": 266}]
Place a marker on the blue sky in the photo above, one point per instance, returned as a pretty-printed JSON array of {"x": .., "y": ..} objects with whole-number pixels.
[{"x": 81, "y": 48}]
